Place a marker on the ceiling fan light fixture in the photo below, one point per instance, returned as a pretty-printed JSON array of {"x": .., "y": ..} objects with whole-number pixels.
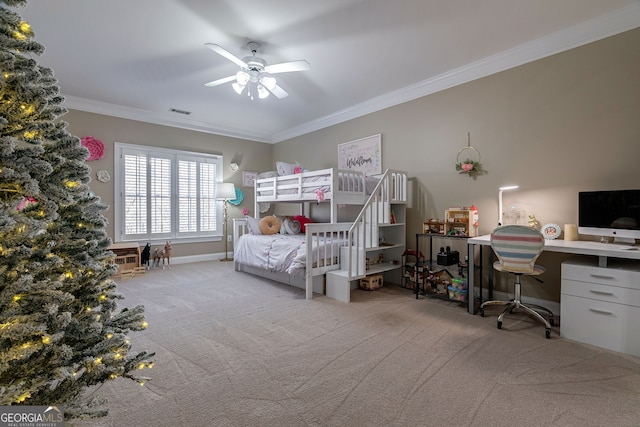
[
  {"x": 242, "y": 77},
  {"x": 262, "y": 91},
  {"x": 268, "y": 81},
  {"x": 238, "y": 87}
]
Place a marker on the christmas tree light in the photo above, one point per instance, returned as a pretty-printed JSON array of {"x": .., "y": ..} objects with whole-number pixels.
[{"x": 60, "y": 329}]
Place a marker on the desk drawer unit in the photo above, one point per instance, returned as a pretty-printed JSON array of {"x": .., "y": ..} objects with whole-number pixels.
[{"x": 601, "y": 305}]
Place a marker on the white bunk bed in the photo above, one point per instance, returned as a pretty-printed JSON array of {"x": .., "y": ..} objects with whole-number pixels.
[
  {"x": 338, "y": 187},
  {"x": 323, "y": 241}
]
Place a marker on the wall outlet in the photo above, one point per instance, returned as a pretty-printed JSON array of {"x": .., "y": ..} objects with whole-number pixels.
[{"x": 229, "y": 238}]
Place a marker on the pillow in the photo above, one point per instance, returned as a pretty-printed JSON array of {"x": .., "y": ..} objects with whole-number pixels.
[
  {"x": 302, "y": 220},
  {"x": 290, "y": 226},
  {"x": 287, "y": 168},
  {"x": 269, "y": 225},
  {"x": 253, "y": 224},
  {"x": 268, "y": 174}
]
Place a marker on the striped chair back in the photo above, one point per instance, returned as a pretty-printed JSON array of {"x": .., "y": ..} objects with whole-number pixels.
[{"x": 517, "y": 247}]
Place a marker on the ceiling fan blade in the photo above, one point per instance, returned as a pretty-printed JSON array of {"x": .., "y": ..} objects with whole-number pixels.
[
  {"x": 287, "y": 67},
  {"x": 221, "y": 81},
  {"x": 279, "y": 92},
  {"x": 230, "y": 56}
]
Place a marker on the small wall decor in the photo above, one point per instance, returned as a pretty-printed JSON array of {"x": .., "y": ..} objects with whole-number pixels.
[
  {"x": 103, "y": 176},
  {"x": 95, "y": 147},
  {"x": 249, "y": 178},
  {"x": 363, "y": 155},
  {"x": 239, "y": 197},
  {"x": 470, "y": 165}
]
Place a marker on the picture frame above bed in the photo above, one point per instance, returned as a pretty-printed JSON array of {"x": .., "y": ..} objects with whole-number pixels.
[
  {"x": 364, "y": 155},
  {"x": 249, "y": 178}
]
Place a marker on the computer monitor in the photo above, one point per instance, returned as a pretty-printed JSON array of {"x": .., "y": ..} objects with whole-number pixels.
[{"x": 610, "y": 213}]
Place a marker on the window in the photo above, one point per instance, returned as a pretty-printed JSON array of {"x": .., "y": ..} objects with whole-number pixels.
[{"x": 166, "y": 194}]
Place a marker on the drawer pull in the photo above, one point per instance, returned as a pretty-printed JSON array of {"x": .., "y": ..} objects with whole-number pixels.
[
  {"x": 599, "y": 276},
  {"x": 601, "y": 292},
  {"x": 596, "y": 310}
]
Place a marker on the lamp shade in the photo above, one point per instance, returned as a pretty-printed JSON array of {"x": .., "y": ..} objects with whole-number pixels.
[{"x": 226, "y": 191}]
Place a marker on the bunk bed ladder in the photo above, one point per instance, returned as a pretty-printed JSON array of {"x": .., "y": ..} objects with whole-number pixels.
[{"x": 363, "y": 233}]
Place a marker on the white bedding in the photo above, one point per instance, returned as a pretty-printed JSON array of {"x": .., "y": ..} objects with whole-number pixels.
[{"x": 280, "y": 253}]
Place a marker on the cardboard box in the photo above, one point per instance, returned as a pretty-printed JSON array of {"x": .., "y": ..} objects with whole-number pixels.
[{"x": 371, "y": 283}]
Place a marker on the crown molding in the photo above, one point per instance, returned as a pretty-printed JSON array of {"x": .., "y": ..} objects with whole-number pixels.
[
  {"x": 621, "y": 20},
  {"x": 113, "y": 110},
  {"x": 617, "y": 22}
]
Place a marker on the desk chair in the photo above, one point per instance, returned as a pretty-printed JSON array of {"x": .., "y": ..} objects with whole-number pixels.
[{"x": 517, "y": 248}]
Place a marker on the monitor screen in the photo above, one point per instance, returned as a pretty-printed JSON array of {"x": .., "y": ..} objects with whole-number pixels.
[{"x": 614, "y": 213}]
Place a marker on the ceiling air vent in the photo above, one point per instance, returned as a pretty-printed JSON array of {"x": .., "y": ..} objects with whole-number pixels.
[{"x": 175, "y": 110}]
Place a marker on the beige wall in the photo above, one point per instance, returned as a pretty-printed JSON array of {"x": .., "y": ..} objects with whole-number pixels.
[
  {"x": 556, "y": 126},
  {"x": 254, "y": 157}
]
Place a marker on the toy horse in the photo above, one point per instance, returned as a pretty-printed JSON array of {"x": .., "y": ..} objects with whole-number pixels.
[
  {"x": 145, "y": 256},
  {"x": 156, "y": 257},
  {"x": 166, "y": 254}
]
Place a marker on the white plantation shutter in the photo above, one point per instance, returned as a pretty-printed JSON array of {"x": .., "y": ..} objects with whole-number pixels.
[
  {"x": 166, "y": 194},
  {"x": 135, "y": 194},
  {"x": 187, "y": 196},
  {"x": 208, "y": 213},
  {"x": 160, "y": 177}
]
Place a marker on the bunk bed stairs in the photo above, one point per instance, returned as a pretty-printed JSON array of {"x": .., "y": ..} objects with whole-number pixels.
[{"x": 379, "y": 230}]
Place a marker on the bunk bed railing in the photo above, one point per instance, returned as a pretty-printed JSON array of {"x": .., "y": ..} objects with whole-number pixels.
[
  {"x": 331, "y": 238},
  {"x": 364, "y": 231}
]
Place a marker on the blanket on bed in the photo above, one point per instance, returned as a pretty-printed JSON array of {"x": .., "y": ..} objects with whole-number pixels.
[{"x": 281, "y": 253}]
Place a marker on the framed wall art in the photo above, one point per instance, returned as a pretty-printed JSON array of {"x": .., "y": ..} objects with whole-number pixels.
[
  {"x": 249, "y": 178},
  {"x": 363, "y": 155}
]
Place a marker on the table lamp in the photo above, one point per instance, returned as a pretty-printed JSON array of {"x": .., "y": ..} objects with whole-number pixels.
[
  {"x": 500, "y": 190},
  {"x": 225, "y": 192}
]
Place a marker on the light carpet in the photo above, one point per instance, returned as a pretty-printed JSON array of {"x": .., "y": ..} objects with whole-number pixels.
[{"x": 237, "y": 350}]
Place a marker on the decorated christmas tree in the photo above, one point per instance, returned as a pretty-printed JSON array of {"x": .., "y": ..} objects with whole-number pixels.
[{"x": 61, "y": 332}]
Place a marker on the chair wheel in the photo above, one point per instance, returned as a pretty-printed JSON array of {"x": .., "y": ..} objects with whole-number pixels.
[
  {"x": 482, "y": 312},
  {"x": 547, "y": 333},
  {"x": 499, "y": 324},
  {"x": 551, "y": 322}
]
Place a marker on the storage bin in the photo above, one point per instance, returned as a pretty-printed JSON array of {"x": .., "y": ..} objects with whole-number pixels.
[
  {"x": 457, "y": 294},
  {"x": 459, "y": 284}
]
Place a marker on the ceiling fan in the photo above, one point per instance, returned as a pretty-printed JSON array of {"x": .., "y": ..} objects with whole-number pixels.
[{"x": 255, "y": 75}]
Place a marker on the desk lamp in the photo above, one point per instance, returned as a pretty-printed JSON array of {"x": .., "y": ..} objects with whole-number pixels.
[
  {"x": 500, "y": 190},
  {"x": 225, "y": 192}
]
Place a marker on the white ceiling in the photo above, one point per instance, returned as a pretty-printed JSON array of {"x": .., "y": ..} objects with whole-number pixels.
[{"x": 138, "y": 59}]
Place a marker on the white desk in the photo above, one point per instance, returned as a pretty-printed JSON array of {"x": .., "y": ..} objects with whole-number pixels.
[{"x": 578, "y": 247}]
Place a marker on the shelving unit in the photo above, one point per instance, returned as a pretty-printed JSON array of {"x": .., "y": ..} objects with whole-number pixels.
[
  {"x": 433, "y": 279},
  {"x": 388, "y": 240},
  {"x": 461, "y": 222}
]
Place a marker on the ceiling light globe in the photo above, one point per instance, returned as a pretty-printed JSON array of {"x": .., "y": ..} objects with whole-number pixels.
[
  {"x": 242, "y": 77},
  {"x": 238, "y": 88},
  {"x": 262, "y": 92},
  {"x": 268, "y": 81}
]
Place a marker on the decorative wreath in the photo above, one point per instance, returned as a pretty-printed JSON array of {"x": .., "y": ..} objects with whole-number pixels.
[
  {"x": 239, "y": 197},
  {"x": 469, "y": 166},
  {"x": 95, "y": 147}
]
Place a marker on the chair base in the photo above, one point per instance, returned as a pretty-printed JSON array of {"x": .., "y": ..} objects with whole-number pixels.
[{"x": 531, "y": 309}]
